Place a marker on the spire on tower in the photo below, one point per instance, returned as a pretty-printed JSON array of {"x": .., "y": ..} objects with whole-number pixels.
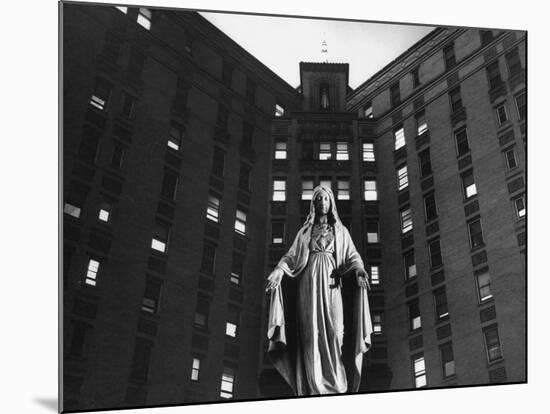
[{"x": 324, "y": 51}]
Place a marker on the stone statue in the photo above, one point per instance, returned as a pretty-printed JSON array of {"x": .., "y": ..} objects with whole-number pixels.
[{"x": 306, "y": 338}]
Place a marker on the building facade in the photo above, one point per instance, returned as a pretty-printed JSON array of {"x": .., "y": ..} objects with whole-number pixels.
[{"x": 188, "y": 166}]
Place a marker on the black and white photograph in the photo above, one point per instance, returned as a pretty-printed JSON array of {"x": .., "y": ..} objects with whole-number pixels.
[{"x": 286, "y": 206}]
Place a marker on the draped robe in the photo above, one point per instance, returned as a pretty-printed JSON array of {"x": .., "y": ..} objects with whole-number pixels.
[{"x": 284, "y": 346}]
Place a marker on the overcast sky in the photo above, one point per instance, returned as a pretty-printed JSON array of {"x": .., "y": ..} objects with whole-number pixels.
[{"x": 281, "y": 43}]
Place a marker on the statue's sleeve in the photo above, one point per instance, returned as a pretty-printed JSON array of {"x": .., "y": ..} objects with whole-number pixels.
[
  {"x": 352, "y": 258},
  {"x": 295, "y": 259}
]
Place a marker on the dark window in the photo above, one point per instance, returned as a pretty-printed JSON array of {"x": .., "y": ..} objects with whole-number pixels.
[
  {"x": 476, "y": 235},
  {"x": 492, "y": 343},
  {"x": 462, "y": 146},
  {"x": 456, "y": 99},
  {"x": 176, "y": 136},
  {"x": 435, "y": 253},
  {"x": 101, "y": 94},
  {"x": 440, "y": 301},
  {"x": 425, "y": 162},
  {"x": 324, "y": 96},
  {"x": 447, "y": 360},
  {"x": 218, "y": 162},
  {"x": 486, "y": 37},
  {"x": 202, "y": 311},
  {"x": 410, "y": 265},
  {"x": 223, "y": 116},
  {"x": 415, "y": 320},
  {"x": 227, "y": 74},
  {"x": 89, "y": 144},
  {"x": 248, "y": 134},
  {"x": 250, "y": 90},
  {"x": 244, "y": 177},
  {"x": 79, "y": 331},
  {"x": 468, "y": 184},
  {"x": 395, "y": 94},
  {"x": 511, "y": 161},
  {"x": 307, "y": 150},
  {"x": 502, "y": 114},
  {"x": 513, "y": 62},
  {"x": 151, "y": 295},
  {"x": 119, "y": 151},
  {"x": 449, "y": 56},
  {"x": 136, "y": 62},
  {"x": 493, "y": 73},
  {"x": 521, "y": 106},
  {"x": 232, "y": 323},
  {"x": 140, "y": 360},
  {"x": 277, "y": 232},
  {"x": 208, "y": 257},
  {"x": 169, "y": 184},
  {"x": 75, "y": 199},
  {"x": 416, "y": 76},
  {"x": 127, "y": 105},
  {"x": 237, "y": 269},
  {"x": 180, "y": 100},
  {"x": 430, "y": 206}
]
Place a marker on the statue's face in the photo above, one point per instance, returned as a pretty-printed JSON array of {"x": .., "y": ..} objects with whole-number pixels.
[{"x": 322, "y": 203}]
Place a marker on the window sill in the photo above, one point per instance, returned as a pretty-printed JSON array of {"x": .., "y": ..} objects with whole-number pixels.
[
  {"x": 477, "y": 248},
  {"x": 491, "y": 364},
  {"x": 435, "y": 268},
  {"x": 415, "y": 332},
  {"x": 442, "y": 321},
  {"x": 464, "y": 155},
  {"x": 471, "y": 198},
  {"x": 486, "y": 302}
]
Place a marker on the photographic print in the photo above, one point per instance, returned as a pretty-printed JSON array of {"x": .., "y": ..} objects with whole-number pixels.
[{"x": 260, "y": 207}]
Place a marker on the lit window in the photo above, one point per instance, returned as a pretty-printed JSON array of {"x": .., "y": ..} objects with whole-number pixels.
[
  {"x": 101, "y": 94},
  {"x": 435, "y": 253},
  {"x": 492, "y": 344},
  {"x": 228, "y": 378},
  {"x": 195, "y": 369},
  {"x": 415, "y": 320},
  {"x": 374, "y": 275},
  {"x": 213, "y": 208},
  {"x": 368, "y": 152},
  {"x": 72, "y": 210},
  {"x": 406, "y": 220},
  {"x": 441, "y": 308},
  {"x": 520, "y": 207},
  {"x": 410, "y": 265},
  {"x": 367, "y": 111},
  {"x": 325, "y": 152},
  {"x": 372, "y": 232},
  {"x": 476, "y": 235},
  {"x": 176, "y": 136},
  {"x": 399, "y": 136},
  {"x": 419, "y": 372},
  {"x": 279, "y": 190},
  {"x": 421, "y": 123},
  {"x": 371, "y": 193},
  {"x": 279, "y": 110},
  {"x": 144, "y": 18},
  {"x": 430, "y": 207},
  {"x": 202, "y": 311},
  {"x": 456, "y": 99},
  {"x": 307, "y": 189},
  {"x": 237, "y": 269},
  {"x": 483, "y": 280},
  {"x": 277, "y": 232},
  {"x": 208, "y": 257},
  {"x": 151, "y": 296},
  {"x": 462, "y": 146},
  {"x": 280, "y": 150},
  {"x": 160, "y": 238},
  {"x": 91, "y": 273},
  {"x": 377, "y": 323},
  {"x": 123, "y": 9},
  {"x": 468, "y": 184},
  {"x": 402, "y": 178},
  {"x": 342, "y": 151},
  {"x": 240, "y": 222},
  {"x": 232, "y": 322},
  {"x": 343, "y": 190},
  {"x": 104, "y": 212},
  {"x": 169, "y": 184},
  {"x": 325, "y": 182},
  {"x": 521, "y": 106},
  {"x": 501, "y": 114},
  {"x": 425, "y": 163},
  {"x": 447, "y": 360}
]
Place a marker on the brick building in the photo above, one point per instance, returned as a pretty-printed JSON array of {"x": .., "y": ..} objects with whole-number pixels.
[{"x": 187, "y": 165}]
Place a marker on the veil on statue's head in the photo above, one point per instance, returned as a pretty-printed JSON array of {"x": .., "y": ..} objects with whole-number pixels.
[{"x": 332, "y": 215}]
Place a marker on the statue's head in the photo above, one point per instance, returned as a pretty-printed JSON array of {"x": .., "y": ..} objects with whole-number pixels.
[{"x": 322, "y": 203}]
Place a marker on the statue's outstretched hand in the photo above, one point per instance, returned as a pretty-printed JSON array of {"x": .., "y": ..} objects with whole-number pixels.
[
  {"x": 274, "y": 279},
  {"x": 362, "y": 279}
]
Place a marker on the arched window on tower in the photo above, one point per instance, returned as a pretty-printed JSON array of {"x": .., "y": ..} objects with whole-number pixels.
[{"x": 325, "y": 101}]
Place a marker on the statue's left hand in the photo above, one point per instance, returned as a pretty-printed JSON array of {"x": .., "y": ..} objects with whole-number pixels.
[{"x": 362, "y": 279}]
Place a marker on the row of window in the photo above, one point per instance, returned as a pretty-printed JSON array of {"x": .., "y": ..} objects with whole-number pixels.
[
  {"x": 227, "y": 379},
  {"x": 327, "y": 151},
  {"x": 213, "y": 214},
  {"x": 143, "y": 18},
  {"x": 370, "y": 192},
  {"x": 202, "y": 315},
  {"x": 209, "y": 260}
]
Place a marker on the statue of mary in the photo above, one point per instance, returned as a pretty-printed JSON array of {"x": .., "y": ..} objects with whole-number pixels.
[{"x": 306, "y": 338}]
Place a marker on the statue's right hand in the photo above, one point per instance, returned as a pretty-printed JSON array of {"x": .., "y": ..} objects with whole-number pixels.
[{"x": 274, "y": 279}]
